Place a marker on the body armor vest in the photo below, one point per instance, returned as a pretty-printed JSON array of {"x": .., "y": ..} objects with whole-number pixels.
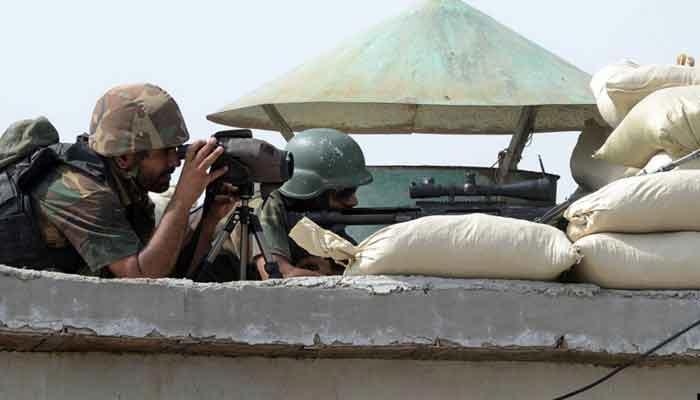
[{"x": 21, "y": 240}]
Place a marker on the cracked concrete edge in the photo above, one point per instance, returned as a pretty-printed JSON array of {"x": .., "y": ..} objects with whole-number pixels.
[
  {"x": 439, "y": 350},
  {"x": 376, "y": 285},
  {"x": 478, "y": 308}
]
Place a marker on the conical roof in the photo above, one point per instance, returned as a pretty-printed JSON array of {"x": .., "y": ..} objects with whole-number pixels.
[{"x": 444, "y": 67}]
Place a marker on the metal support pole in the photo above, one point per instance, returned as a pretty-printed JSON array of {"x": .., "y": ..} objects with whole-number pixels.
[
  {"x": 517, "y": 143},
  {"x": 274, "y": 114}
]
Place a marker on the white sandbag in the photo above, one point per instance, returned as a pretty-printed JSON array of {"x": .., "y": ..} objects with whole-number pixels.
[
  {"x": 591, "y": 173},
  {"x": 667, "y": 120},
  {"x": 606, "y": 107},
  {"x": 662, "y": 202},
  {"x": 659, "y": 160},
  {"x": 161, "y": 200},
  {"x": 662, "y": 159},
  {"x": 640, "y": 261},
  {"x": 629, "y": 87},
  {"x": 465, "y": 246}
]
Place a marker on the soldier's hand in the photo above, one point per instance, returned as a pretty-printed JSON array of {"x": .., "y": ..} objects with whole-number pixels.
[
  {"x": 195, "y": 175},
  {"x": 314, "y": 263},
  {"x": 218, "y": 205}
]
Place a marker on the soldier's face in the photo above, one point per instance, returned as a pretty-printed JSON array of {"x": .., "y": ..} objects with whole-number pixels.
[
  {"x": 343, "y": 199},
  {"x": 156, "y": 169}
]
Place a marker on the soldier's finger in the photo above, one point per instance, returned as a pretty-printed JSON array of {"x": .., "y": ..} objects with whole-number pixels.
[
  {"x": 210, "y": 158},
  {"x": 206, "y": 150},
  {"x": 193, "y": 149}
]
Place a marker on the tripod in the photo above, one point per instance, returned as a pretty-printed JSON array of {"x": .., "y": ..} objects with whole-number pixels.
[{"x": 250, "y": 224}]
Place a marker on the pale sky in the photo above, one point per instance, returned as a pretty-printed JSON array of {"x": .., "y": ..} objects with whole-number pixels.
[{"x": 58, "y": 57}]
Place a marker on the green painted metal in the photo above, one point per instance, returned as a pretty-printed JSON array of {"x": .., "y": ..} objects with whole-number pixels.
[
  {"x": 444, "y": 67},
  {"x": 391, "y": 183}
]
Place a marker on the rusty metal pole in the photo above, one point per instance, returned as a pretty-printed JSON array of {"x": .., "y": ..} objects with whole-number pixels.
[{"x": 517, "y": 143}]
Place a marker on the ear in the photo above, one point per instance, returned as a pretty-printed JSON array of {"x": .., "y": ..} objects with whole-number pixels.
[{"x": 125, "y": 161}]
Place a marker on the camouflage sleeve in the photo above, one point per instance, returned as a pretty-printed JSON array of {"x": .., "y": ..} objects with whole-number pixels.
[
  {"x": 90, "y": 216},
  {"x": 273, "y": 219}
]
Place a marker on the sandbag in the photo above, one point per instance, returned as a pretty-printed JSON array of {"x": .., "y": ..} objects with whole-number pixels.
[
  {"x": 591, "y": 173},
  {"x": 662, "y": 158},
  {"x": 667, "y": 120},
  {"x": 661, "y": 202},
  {"x": 629, "y": 87},
  {"x": 161, "y": 200},
  {"x": 640, "y": 261},
  {"x": 464, "y": 246},
  {"x": 608, "y": 110}
]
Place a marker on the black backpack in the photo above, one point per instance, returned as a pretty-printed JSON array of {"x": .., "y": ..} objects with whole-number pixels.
[{"x": 29, "y": 149}]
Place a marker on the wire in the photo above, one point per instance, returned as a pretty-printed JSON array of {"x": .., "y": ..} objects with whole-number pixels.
[{"x": 629, "y": 364}]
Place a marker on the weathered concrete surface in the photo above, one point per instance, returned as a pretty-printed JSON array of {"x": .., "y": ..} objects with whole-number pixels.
[
  {"x": 69, "y": 376},
  {"x": 360, "y": 317}
]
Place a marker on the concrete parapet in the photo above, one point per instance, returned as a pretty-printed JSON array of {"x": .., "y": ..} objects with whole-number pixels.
[
  {"x": 337, "y": 317},
  {"x": 70, "y": 376}
]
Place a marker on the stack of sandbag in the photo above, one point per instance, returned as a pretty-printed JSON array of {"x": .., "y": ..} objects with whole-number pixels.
[
  {"x": 666, "y": 121},
  {"x": 590, "y": 173},
  {"x": 620, "y": 86},
  {"x": 639, "y": 232},
  {"x": 467, "y": 246},
  {"x": 608, "y": 110},
  {"x": 654, "y": 109},
  {"x": 655, "y": 115}
]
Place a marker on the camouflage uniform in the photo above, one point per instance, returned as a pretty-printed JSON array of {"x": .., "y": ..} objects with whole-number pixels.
[
  {"x": 276, "y": 228},
  {"x": 134, "y": 118},
  {"x": 113, "y": 219}
]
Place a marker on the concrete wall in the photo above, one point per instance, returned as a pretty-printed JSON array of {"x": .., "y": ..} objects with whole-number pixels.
[
  {"x": 71, "y": 376},
  {"x": 68, "y": 337},
  {"x": 360, "y": 317}
]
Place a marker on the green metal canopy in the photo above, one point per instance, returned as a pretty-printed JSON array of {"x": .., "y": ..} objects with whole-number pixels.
[{"x": 444, "y": 67}]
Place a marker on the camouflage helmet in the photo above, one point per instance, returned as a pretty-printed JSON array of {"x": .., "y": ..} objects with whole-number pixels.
[
  {"x": 135, "y": 118},
  {"x": 324, "y": 159}
]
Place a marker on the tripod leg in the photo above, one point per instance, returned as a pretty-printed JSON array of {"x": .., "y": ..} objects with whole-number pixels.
[
  {"x": 221, "y": 237},
  {"x": 271, "y": 266},
  {"x": 243, "y": 252}
]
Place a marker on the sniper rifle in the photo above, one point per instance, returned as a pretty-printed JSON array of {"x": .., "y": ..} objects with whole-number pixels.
[{"x": 535, "y": 197}]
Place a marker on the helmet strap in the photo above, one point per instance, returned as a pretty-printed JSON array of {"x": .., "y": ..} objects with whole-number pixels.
[{"x": 133, "y": 172}]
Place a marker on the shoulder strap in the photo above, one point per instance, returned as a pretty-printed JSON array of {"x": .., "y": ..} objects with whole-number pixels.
[{"x": 79, "y": 155}]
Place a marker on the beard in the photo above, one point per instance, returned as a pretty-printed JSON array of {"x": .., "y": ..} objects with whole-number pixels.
[{"x": 158, "y": 183}]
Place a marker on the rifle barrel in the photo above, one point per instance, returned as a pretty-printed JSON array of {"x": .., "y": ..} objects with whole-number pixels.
[{"x": 388, "y": 215}]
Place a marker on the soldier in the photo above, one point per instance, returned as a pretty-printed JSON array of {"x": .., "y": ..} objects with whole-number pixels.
[
  {"x": 329, "y": 166},
  {"x": 104, "y": 221}
]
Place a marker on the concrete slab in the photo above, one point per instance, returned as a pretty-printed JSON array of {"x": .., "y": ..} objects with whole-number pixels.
[
  {"x": 70, "y": 376},
  {"x": 337, "y": 317}
]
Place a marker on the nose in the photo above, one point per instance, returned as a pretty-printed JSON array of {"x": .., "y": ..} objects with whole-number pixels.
[
  {"x": 173, "y": 159},
  {"x": 351, "y": 201}
]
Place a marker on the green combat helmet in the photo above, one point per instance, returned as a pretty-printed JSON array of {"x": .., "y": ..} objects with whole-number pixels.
[
  {"x": 324, "y": 159},
  {"x": 135, "y": 118}
]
